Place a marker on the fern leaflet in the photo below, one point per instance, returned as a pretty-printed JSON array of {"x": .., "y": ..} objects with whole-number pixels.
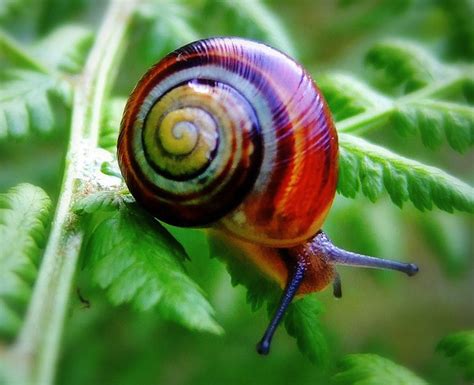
[{"x": 24, "y": 216}]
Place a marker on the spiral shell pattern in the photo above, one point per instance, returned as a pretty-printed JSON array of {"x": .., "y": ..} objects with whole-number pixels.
[{"x": 231, "y": 133}]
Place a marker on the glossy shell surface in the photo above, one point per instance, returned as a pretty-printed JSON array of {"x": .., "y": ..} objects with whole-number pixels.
[{"x": 230, "y": 133}]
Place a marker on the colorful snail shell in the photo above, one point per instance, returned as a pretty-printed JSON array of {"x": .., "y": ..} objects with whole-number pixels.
[{"x": 234, "y": 135}]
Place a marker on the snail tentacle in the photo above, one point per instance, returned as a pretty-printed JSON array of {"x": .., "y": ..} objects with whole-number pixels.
[
  {"x": 321, "y": 244},
  {"x": 337, "y": 286},
  {"x": 263, "y": 347}
]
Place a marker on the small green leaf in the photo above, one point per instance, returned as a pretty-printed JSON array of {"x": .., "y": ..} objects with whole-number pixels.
[
  {"x": 101, "y": 201},
  {"x": 111, "y": 169},
  {"x": 24, "y": 218},
  {"x": 65, "y": 48},
  {"x": 459, "y": 347},
  {"x": 348, "y": 182},
  {"x": 302, "y": 323},
  {"x": 436, "y": 120},
  {"x": 348, "y": 96},
  {"x": 403, "y": 178},
  {"x": 371, "y": 369},
  {"x": 135, "y": 258},
  {"x": 404, "y": 64},
  {"x": 371, "y": 178},
  {"x": 25, "y": 102}
]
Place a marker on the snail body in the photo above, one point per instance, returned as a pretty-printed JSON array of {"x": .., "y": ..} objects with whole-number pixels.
[{"x": 234, "y": 135}]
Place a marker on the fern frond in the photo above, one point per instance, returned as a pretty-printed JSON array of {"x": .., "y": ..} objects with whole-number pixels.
[
  {"x": 459, "y": 347},
  {"x": 371, "y": 168},
  {"x": 302, "y": 323},
  {"x": 135, "y": 258},
  {"x": 436, "y": 120},
  {"x": 404, "y": 64},
  {"x": 371, "y": 369},
  {"x": 24, "y": 215},
  {"x": 101, "y": 201},
  {"x": 348, "y": 96},
  {"x": 25, "y": 103},
  {"x": 65, "y": 48}
]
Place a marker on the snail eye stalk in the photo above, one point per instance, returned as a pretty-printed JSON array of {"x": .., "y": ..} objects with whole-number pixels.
[
  {"x": 263, "y": 347},
  {"x": 337, "y": 256}
]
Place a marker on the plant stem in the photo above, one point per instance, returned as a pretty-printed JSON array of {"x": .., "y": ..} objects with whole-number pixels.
[
  {"x": 368, "y": 120},
  {"x": 35, "y": 354}
]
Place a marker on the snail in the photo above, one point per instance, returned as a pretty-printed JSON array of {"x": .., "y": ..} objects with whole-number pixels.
[{"x": 233, "y": 135}]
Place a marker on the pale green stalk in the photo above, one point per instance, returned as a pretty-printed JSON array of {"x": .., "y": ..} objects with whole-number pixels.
[{"x": 34, "y": 356}]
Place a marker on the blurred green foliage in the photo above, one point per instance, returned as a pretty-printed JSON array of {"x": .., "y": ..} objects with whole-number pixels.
[{"x": 380, "y": 313}]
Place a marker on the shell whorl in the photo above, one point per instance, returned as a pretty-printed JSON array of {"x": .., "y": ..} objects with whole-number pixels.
[{"x": 233, "y": 132}]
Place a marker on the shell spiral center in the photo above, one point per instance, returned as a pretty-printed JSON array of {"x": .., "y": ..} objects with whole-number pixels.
[{"x": 199, "y": 140}]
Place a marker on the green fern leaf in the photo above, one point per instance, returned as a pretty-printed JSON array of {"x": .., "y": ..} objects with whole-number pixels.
[
  {"x": 25, "y": 96},
  {"x": 111, "y": 169},
  {"x": 372, "y": 169},
  {"x": 436, "y": 119},
  {"x": 101, "y": 201},
  {"x": 302, "y": 323},
  {"x": 347, "y": 96},
  {"x": 370, "y": 369},
  {"x": 135, "y": 258},
  {"x": 24, "y": 215},
  {"x": 404, "y": 64},
  {"x": 25, "y": 104},
  {"x": 65, "y": 48},
  {"x": 459, "y": 347}
]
